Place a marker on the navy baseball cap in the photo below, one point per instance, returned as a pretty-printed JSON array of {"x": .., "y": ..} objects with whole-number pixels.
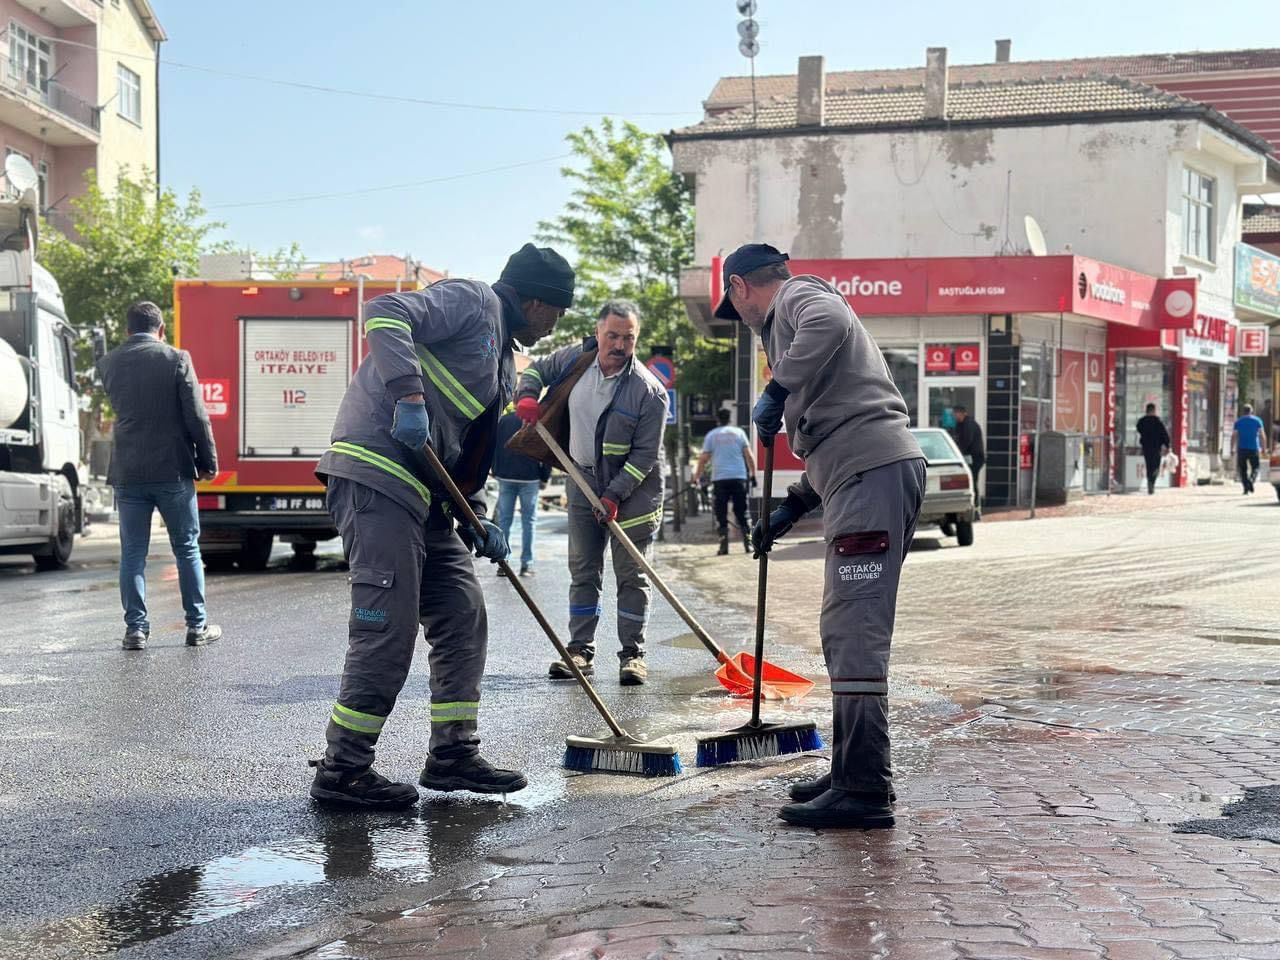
[{"x": 748, "y": 257}]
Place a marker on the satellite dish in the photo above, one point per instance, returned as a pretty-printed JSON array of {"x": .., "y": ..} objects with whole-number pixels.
[
  {"x": 747, "y": 8},
  {"x": 749, "y": 48},
  {"x": 20, "y": 174},
  {"x": 748, "y": 29},
  {"x": 1035, "y": 237}
]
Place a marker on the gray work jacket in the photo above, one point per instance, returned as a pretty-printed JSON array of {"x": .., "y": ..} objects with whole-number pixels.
[
  {"x": 162, "y": 433},
  {"x": 628, "y": 442},
  {"x": 452, "y": 343}
]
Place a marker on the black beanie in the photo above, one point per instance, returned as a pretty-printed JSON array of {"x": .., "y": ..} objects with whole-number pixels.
[{"x": 540, "y": 273}]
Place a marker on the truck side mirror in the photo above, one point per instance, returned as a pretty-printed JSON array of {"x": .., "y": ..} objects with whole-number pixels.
[{"x": 99, "y": 340}]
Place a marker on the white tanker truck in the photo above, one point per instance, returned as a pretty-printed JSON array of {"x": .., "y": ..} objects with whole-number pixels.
[{"x": 40, "y": 479}]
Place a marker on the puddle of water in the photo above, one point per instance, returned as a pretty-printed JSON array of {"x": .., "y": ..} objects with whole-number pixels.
[
  {"x": 1241, "y": 638},
  {"x": 684, "y": 641}
]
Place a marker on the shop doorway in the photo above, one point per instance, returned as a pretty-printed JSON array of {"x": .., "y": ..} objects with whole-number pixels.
[{"x": 945, "y": 394}]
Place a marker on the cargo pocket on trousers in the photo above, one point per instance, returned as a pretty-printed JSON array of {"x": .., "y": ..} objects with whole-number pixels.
[
  {"x": 856, "y": 564},
  {"x": 370, "y": 596}
]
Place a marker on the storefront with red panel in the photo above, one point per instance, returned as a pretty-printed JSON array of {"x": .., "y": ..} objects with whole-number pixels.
[{"x": 1021, "y": 342}]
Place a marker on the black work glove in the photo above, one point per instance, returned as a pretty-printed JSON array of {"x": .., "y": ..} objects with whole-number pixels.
[
  {"x": 781, "y": 520},
  {"x": 492, "y": 547}
]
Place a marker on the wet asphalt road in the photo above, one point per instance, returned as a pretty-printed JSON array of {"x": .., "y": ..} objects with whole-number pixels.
[{"x": 155, "y": 803}]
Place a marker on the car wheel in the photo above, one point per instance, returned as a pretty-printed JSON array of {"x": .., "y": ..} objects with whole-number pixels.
[
  {"x": 964, "y": 533},
  {"x": 56, "y": 554}
]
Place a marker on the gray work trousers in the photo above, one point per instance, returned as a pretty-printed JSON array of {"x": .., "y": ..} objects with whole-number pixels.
[
  {"x": 587, "y": 541},
  {"x": 868, "y": 524},
  {"x": 405, "y": 573}
]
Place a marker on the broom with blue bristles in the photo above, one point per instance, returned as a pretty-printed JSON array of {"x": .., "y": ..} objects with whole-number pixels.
[
  {"x": 756, "y": 739},
  {"x": 621, "y": 753}
]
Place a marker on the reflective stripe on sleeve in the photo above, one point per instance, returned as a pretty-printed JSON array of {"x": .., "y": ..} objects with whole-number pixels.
[
  {"x": 616, "y": 449},
  {"x": 655, "y": 517},
  {"x": 634, "y": 471},
  {"x": 387, "y": 323}
]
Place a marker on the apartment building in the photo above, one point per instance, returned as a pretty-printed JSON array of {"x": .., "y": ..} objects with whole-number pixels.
[{"x": 79, "y": 92}]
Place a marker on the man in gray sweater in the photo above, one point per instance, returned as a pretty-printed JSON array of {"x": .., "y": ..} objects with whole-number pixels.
[{"x": 848, "y": 422}]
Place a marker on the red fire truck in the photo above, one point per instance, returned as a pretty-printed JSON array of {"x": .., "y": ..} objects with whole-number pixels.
[{"x": 274, "y": 359}]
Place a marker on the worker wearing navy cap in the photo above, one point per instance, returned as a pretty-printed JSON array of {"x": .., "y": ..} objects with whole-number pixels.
[
  {"x": 440, "y": 370},
  {"x": 848, "y": 422}
]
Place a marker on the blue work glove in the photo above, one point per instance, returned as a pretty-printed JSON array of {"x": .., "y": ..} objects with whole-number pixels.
[
  {"x": 767, "y": 414},
  {"x": 781, "y": 520},
  {"x": 409, "y": 424},
  {"x": 492, "y": 547}
]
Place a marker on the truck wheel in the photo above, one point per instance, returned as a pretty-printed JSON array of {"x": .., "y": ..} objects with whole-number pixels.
[
  {"x": 307, "y": 548},
  {"x": 256, "y": 551},
  {"x": 964, "y": 533},
  {"x": 55, "y": 555}
]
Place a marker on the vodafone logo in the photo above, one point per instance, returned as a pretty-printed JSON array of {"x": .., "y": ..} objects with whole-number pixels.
[
  {"x": 1179, "y": 303},
  {"x": 857, "y": 287},
  {"x": 1107, "y": 292}
]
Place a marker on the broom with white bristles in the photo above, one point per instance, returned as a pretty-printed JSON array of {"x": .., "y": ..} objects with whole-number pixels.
[
  {"x": 756, "y": 739},
  {"x": 621, "y": 753}
]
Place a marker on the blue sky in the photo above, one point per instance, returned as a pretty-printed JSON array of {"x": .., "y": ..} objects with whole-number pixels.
[{"x": 243, "y": 141}]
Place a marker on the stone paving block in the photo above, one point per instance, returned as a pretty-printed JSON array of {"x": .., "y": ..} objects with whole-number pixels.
[
  {"x": 1252, "y": 929},
  {"x": 994, "y": 951},
  {"x": 1135, "y": 950},
  {"x": 1225, "y": 949}
]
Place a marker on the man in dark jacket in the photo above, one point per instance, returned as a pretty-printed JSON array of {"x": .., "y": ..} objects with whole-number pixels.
[
  {"x": 440, "y": 370},
  {"x": 1154, "y": 440},
  {"x": 519, "y": 479},
  {"x": 162, "y": 441},
  {"x": 968, "y": 437}
]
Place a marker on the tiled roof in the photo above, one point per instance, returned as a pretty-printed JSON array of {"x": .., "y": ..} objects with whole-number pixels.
[
  {"x": 733, "y": 91},
  {"x": 1063, "y": 98},
  {"x": 1260, "y": 219}
]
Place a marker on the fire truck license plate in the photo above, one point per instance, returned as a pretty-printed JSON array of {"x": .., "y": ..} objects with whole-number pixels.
[{"x": 295, "y": 503}]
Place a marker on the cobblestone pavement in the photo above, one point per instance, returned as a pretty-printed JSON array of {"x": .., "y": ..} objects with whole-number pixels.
[{"x": 1064, "y": 693}]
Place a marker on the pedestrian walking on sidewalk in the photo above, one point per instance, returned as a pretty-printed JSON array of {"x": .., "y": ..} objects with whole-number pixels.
[
  {"x": 161, "y": 443},
  {"x": 519, "y": 480},
  {"x": 848, "y": 422},
  {"x": 1153, "y": 438},
  {"x": 728, "y": 451},
  {"x": 617, "y": 411},
  {"x": 968, "y": 436},
  {"x": 1249, "y": 438},
  {"x": 440, "y": 370}
]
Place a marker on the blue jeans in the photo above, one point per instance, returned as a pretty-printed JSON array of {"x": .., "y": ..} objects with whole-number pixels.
[
  {"x": 526, "y": 491},
  {"x": 176, "y": 502}
]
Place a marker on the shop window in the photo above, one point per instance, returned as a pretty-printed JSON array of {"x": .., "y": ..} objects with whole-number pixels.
[
  {"x": 1199, "y": 194},
  {"x": 1202, "y": 408},
  {"x": 1035, "y": 386},
  {"x": 904, "y": 367}
]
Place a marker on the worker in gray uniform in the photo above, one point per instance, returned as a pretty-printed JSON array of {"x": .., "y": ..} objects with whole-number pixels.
[
  {"x": 617, "y": 410},
  {"x": 439, "y": 370},
  {"x": 848, "y": 422}
]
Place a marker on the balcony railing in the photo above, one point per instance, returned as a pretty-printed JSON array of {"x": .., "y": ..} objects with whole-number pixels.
[{"x": 50, "y": 93}]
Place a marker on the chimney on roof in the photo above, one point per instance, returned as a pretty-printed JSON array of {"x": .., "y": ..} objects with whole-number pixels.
[
  {"x": 811, "y": 92},
  {"x": 935, "y": 83},
  {"x": 1003, "y": 48}
]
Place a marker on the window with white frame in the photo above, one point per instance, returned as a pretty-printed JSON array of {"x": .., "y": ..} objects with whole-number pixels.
[
  {"x": 128, "y": 94},
  {"x": 30, "y": 57},
  {"x": 1199, "y": 194}
]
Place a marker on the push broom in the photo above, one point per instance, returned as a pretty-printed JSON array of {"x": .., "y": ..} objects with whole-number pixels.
[
  {"x": 734, "y": 672},
  {"x": 621, "y": 753},
  {"x": 756, "y": 739}
]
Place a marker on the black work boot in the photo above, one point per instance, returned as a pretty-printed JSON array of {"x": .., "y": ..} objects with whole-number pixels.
[
  {"x": 200, "y": 636},
  {"x": 472, "y": 773},
  {"x": 135, "y": 638},
  {"x": 360, "y": 788},
  {"x": 746, "y": 542},
  {"x": 840, "y": 809},
  {"x": 724, "y": 546},
  {"x": 805, "y": 790}
]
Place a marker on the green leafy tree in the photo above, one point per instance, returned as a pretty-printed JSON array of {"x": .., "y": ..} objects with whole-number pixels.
[{"x": 629, "y": 220}]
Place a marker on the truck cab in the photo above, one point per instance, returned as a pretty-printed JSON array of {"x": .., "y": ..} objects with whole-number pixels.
[{"x": 40, "y": 476}]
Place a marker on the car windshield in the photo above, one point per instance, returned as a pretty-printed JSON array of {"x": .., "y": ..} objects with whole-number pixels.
[{"x": 936, "y": 445}]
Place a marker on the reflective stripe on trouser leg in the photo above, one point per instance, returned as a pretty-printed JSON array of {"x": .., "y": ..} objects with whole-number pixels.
[
  {"x": 587, "y": 539},
  {"x": 451, "y": 608},
  {"x": 858, "y": 605},
  {"x": 383, "y": 544},
  {"x": 633, "y": 597}
]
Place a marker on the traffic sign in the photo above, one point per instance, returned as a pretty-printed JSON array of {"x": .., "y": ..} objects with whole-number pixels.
[
  {"x": 664, "y": 368},
  {"x": 673, "y": 405}
]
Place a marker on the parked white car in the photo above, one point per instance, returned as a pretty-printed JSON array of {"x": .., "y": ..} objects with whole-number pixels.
[{"x": 948, "y": 499}]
